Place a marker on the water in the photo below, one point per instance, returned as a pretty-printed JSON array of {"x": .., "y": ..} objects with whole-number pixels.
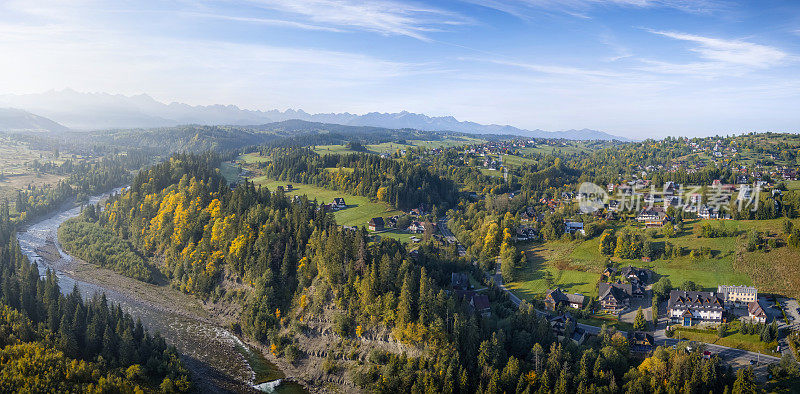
[{"x": 218, "y": 359}]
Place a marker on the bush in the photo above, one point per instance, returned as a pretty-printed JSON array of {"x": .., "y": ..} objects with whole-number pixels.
[
  {"x": 329, "y": 365},
  {"x": 342, "y": 325},
  {"x": 293, "y": 353}
]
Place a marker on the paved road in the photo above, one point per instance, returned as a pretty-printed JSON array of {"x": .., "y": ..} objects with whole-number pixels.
[{"x": 447, "y": 234}]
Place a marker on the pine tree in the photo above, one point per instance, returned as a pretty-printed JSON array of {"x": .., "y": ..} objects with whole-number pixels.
[
  {"x": 639, "y": 322},
  {"x": 405, "y": 304}
]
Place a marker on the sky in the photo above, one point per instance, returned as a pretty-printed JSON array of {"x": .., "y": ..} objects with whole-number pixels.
[{"x": 634, "y": 68}]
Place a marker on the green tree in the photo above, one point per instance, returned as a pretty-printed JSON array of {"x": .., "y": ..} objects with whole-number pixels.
[
  {"x": 654, "y": 311},
  {"x": 639, "y": 322},
  {"x": 745, "y": 382},
  {"x": 668, "y": 230}
]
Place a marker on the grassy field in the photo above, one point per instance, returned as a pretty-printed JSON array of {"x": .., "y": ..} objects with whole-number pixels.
[
  {"x": 15, "y": 167},
  {"x": 545, "y": 270},
  {"x": 359, "y": 209},
  {"x": 576, "y": 265},
  {"x": 571, "y": 147},
  {"x": 732, "y": 338},
  {"x": 486, "y": 171},
  {"x": 610, "y": 321},
  {"x": 251, "y": 158},
  {"x": 516, "y": 161},
  {"x": 229, "y": 171},
  {"x": 392, "y": 147}
]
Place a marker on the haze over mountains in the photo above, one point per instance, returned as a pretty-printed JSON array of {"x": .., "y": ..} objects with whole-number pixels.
[
  {"x": 91, "y": 111},
  {"x": 13, "y": 119}
]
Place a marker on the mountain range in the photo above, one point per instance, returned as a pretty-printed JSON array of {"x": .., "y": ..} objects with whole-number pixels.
[
  {"x": 93, "y": 111},
  {"x": 13, "y": 119}
]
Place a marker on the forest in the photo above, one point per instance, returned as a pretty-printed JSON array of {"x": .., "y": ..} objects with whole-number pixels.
[
  {"x": 296, "y": 263},
  {"x": 51, "y": 341},
  {"x": 402, "y": 184}
]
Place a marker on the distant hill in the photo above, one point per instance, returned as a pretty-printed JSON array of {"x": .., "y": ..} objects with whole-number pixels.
[
  {"x": 12, "y": 119},
  {"x": 93, "y": 111}
]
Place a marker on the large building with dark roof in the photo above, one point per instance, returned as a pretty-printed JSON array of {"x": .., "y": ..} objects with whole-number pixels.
[
  {"x": 614, "y": 296},
  {"x": 691, "y": 307}
]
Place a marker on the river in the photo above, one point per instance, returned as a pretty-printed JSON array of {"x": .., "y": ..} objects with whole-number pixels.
[{"x": 219, "y": 361}]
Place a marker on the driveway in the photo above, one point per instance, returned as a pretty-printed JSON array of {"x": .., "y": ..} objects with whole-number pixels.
[
  {"x": 645, "y": 303},
  {"x": 790, "y": 306}
]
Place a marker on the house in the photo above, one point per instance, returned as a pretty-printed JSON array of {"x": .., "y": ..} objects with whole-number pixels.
[
  {"x": 563, "y": 325},
  {"x": 525, "y": 234},
  {"x": 691, "y": 307},
  {"x": 338, "y": 203},
  {"x": 610, "y": 272},
  {"x": 737, "y": 294},
  {"x": 614, "y": 296},
  {"x": 459, "y": 280},
  {"x": 416, "y": 227},
  {"x": 613, "y": 205},
  {"x": 641, "y": 341},
  {"x": 652, "y": 217},
  {"x": 670, "y": 188},
  {"x": 638, "y": 278},
  {"x": 707, "y": 212},
  {"x": 480, "y": 304},
  {"x": 289, "y": 187},
  {"x": 638, "y": 274},
  {"x": 376, "y": 224},
  {"x": 555, "y": 298},
  {"x": 573, "y": 227},
  {"x": 756, "y": 313}
]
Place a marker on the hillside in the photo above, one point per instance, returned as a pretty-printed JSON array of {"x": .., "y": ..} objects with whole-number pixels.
[{"x": 12, "y": 119}]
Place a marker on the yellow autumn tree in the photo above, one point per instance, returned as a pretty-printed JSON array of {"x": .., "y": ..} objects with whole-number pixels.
[{"x": 383, "y": 194}]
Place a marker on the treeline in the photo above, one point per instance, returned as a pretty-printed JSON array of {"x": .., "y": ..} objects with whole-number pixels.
[
  {"x": 51, "y": 342},
  {"x": 402, "y": 184},
  {"x": 84, "y": 238},
  {"x": 190, "y": 138},
  {"x": 87, "y": 177}
]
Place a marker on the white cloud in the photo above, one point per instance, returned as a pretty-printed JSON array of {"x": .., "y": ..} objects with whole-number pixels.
[
  {"x": 263, "y": 21},
  {"x": 732, "y": 52},
  {"x": 556, "y": 70},
  {"x": 581, "y": 8},
  {"x": 385, "y": 17}
]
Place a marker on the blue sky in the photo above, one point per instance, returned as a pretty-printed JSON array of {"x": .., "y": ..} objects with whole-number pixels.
[{"x": 638, "y": 68}]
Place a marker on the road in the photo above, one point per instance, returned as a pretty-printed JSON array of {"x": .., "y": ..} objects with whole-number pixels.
[{"x": 448, "y": 235}]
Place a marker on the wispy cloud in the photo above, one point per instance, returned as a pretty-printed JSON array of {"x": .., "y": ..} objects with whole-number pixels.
[
  {"x": 262, "y": 21},
  {"x": 555, "y": 69},
  {"x": 581, "y": 8},
  {"x": 385, "y": 17},
  {"x": 734, "y": 52}
]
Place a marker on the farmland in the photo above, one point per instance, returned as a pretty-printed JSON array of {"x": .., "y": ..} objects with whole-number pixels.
[{"x": 16, "y": 172}]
